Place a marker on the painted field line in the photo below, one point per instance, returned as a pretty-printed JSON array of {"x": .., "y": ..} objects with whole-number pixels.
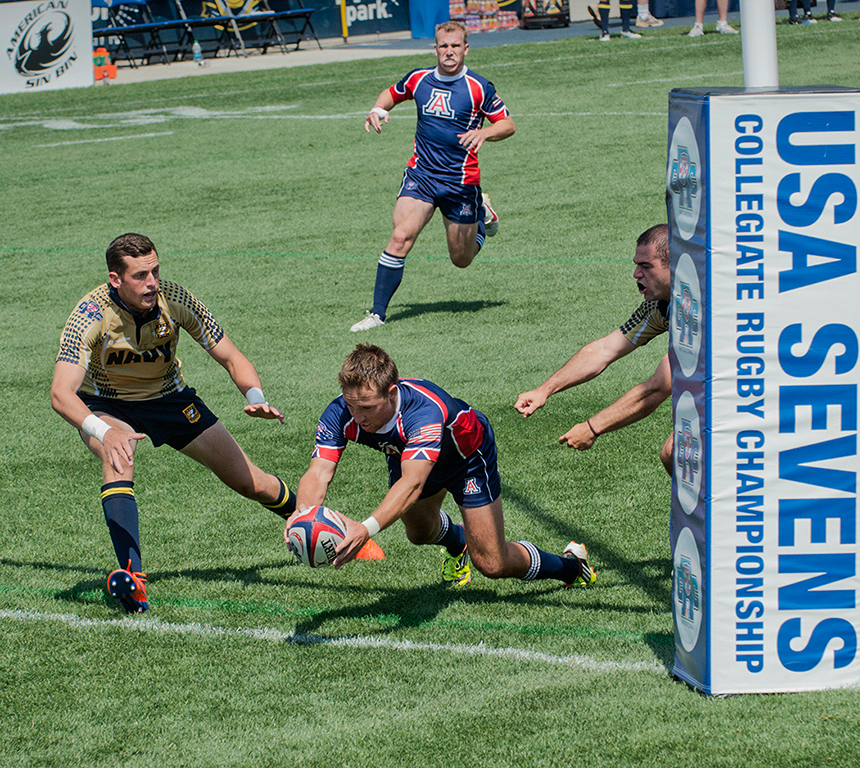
[
  {"x": 271, "y": 634},
  {"x": 109, "y": 138},
  {"x": 677, "y": 79}
]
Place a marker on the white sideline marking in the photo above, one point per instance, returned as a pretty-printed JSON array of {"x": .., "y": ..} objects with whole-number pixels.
[
  {"x": 270, "y": 634},
  {"x": 109, "y": 138},
  {"x": 673, "y": 79}
]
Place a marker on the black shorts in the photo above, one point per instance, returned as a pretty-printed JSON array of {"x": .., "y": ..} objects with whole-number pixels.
[{"x": 174, "y": 419}]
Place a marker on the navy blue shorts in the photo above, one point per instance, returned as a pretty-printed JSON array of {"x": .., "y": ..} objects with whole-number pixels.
[
  {"x": 174, "y": 419},
  {"x": 473, "y": 481},
  {"x": 462, "y": 203}
]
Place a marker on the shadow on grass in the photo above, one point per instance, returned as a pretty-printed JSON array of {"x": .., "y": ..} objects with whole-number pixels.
[
  {"x": 408, "y": 311},
  {"x": 83, "y": 591},
  {"x": 409, "y": 608},
  {"x": 652, "y": 576},
  {"x": 389, "y": 609}
]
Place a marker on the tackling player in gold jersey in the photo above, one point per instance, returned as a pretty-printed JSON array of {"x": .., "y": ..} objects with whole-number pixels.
[{"x": 117, "y": 379}]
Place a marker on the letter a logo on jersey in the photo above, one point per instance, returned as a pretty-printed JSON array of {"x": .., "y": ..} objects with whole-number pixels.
[
  {"x": 471, "y": 486},
  {"x": 439, "y": 104}
]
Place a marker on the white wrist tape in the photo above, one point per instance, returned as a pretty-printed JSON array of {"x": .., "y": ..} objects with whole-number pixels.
[
  {"x": 383, "y": 113},
  {"x": 95, "y": 427},
  {"x": 255, "y": 395},
  {"x": 372, "y": 526}
]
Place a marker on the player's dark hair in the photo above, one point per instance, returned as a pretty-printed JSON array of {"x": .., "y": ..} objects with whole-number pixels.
[
  {"x": 368, "y": 366},
  {"x": 658, "y": 236},
  {"x": 129, "y": 244},
  {"x": 452, "y": 26}
]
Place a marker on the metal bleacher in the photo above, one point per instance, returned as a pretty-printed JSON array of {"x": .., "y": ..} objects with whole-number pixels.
[{"x": 135, "y": 34}]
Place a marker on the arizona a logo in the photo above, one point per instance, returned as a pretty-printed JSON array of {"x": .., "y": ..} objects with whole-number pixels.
[
  {"x": 439, "y": 104},
  {"x": 471, "y": 486}
]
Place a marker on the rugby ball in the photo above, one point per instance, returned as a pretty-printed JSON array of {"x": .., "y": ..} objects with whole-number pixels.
[{"x": 314, "y": 534}]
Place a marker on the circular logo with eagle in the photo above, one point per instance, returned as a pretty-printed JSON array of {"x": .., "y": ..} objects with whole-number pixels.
[{"x": 44, "y": 41}]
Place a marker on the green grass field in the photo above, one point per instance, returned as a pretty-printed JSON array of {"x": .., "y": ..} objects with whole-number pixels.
[{"x": 267, "y": 199}]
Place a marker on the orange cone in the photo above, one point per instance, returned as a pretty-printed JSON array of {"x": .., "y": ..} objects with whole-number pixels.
[{"x": 370, "y": 551}]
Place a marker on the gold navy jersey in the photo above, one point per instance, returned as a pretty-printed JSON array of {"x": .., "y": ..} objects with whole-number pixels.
[
  {"x": 649, "y": 320},
  {"x": 448, "y": 106},
  {"x": 130, "y": 356}
]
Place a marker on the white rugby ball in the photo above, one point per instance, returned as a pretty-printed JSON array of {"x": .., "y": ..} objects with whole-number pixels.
[{"x": 314, "y": 535}]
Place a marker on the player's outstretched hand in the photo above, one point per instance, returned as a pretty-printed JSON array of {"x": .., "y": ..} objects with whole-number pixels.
[
  {"x": 580, "y": 437},
  {"x": 119, "y": 448},
  {"x": 375, "y": 118},
  {"x": 264, "y": 411},
  {"x": 299, "y": 511},
  {"x": 528, "y": 402},
  {"x": 356, "y": 537}
]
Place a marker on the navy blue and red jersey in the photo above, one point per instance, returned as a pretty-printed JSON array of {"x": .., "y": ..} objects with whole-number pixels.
[
  {"x": 428, "y": 424},
  {"x": 447, "y": 107}
]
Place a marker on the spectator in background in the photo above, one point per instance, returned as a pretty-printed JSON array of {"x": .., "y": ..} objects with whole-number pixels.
[
  {"x": 644, "y": 17},
  {"x": 807, "y": 13},
  {"x": 601, "y": 19},
  {"x": 722, "y": 25}
]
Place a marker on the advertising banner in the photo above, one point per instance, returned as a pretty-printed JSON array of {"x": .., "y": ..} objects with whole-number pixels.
[
  {"x": 762, "y": 196},
  {"x": 47, "y": 44},
  {"x": 363, "y": 17}
]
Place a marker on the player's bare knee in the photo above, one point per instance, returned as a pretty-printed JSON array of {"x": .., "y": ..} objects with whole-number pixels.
[
  {"x": 489, "y": 566},
  {"x": 401, "y": 243},
  {"x": 462, "y": 260},
  {"x": 666, "y": 458},
  {"x": 419, "y": 535},
  {"x": 667, "y": 455}
]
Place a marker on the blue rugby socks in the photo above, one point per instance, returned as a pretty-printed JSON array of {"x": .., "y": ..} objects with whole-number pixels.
[
  {"x": 389, "y": 274},
  {"x": 121, "y": 516},
  {"x": 545, "y": 565},
  {"x": 451, "y": 536}
]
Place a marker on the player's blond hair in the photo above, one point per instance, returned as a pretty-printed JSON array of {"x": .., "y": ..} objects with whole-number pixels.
[
  {"x": 452, "y": 26},
  {"x": 129, "y": 244},
  {"x": 658, "y": 236},
  {"x": 368, "y": 366}
]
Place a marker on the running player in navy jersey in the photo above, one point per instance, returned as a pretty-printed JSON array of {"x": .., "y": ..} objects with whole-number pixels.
[
  {"x": 651, "y": 318},
  {"x": 118, "y": 381},
  {"x": 434, "y": 444},
  {"x": 452, "y": 103}
]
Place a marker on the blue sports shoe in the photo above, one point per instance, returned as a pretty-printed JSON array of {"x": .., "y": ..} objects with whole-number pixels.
[{"x": 129, "y": 589}]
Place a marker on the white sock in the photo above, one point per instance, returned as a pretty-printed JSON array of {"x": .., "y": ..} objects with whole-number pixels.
[{"x": 643, "y": 11}]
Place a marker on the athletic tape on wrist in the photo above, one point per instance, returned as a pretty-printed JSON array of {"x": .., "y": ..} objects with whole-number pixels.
[
  {"x": 255, "y": 395},
  {"x": 383, "y": 113},
  {"x": 372, "y": 525},
  {"x": 95, "y": 427}
]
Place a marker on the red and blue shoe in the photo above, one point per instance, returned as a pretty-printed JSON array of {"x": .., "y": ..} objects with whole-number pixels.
[{"x": 129, "y": 589}]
